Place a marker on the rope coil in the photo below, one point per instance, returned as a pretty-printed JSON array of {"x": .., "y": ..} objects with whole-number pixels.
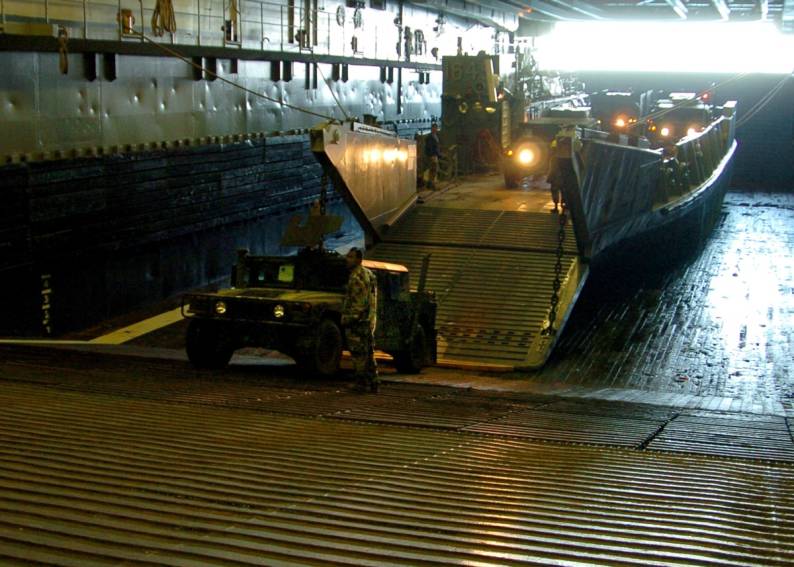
[{"x": 163, "y": 18}]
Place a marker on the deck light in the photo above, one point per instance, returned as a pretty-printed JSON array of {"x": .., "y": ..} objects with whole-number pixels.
[
  {"x": 279, "y": 312},
  {"x": 220, "y": 307}
]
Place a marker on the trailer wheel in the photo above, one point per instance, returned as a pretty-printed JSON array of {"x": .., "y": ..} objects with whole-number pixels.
[
  {"x": 412, "y": 360},
  {"x": 324, "y": 350},
  {"x": 206, "y": 346}
]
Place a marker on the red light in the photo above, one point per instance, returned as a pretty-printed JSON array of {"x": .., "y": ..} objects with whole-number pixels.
[{"x": 705, "y": 96}]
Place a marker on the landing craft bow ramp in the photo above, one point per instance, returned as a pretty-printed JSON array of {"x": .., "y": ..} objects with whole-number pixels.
[{"x": 493, "y": 251}]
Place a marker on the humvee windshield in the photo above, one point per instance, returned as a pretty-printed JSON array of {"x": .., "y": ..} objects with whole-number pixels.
[{"x": 304, "y": 271}]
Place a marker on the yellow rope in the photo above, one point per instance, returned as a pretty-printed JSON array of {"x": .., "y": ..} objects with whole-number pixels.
[
  {"x": 63, "y": 50},
  {"x": 233, "y": 12},
  {"x": 163, "y": 18}
]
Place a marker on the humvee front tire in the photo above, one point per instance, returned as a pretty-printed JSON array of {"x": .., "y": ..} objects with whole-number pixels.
[
  {"x": 324, "y": 350},
  {"x": 206, "y": 346},
  {"x": 412, "y": 360}
]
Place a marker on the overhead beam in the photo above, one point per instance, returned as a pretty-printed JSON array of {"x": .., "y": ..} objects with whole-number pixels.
[
  {"x": 547, "y": 9},
  {"x": 679, "y": 8},
  {"x": 722, "y": 8},
  {"x": 581, "y": 7}
]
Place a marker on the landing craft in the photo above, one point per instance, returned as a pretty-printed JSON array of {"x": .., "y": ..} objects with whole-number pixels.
[{"x": 506, "y": 273}]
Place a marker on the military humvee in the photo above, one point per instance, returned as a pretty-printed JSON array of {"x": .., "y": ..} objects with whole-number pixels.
[{"x": 293, "y": 304}]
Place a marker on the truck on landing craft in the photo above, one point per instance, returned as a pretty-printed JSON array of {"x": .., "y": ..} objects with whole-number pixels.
[{"x": 293, "y": 304}]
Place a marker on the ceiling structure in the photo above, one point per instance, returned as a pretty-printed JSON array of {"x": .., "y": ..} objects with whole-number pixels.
[
  {"x": 780, "y": 11},
  {"x": 700, "y": 10}
]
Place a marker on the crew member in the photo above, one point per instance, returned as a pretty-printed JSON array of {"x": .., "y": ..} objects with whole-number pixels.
[
  {"x": 432, "y": 153},
  {"x": 359, "y": 317}
]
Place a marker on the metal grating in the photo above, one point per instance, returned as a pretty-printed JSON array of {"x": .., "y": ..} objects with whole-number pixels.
[
  {"x": 571, "y": 428},
  {"x": 90, "y": 479},
  {"x": 492, "y": 272},
  {"x": 766, "y": 437},
  {"x": 481, "y": 228},
  {"x": 491, "y": 303}
]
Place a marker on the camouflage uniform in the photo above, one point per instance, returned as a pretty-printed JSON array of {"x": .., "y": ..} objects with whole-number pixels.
[{"x": 359, "y": 317}]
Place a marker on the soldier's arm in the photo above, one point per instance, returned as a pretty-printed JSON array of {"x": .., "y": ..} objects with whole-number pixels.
[{"x": 355, "y": 302}]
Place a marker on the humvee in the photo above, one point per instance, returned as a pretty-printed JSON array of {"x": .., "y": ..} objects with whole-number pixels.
[{"x": 293, "y": 304}]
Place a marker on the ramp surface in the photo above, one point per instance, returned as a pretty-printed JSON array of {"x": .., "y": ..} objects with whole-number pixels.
[
  {"x": 492, "y": 272},
  {"x": 103, "y": 479}
]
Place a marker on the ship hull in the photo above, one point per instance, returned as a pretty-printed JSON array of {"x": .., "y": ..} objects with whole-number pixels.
[{"x": 664, "y": 235}]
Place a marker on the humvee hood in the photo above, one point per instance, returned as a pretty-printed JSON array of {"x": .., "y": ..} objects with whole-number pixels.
[{"x": 286, "y": 295}]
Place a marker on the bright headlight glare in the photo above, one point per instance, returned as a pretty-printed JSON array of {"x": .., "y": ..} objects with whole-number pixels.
[
  {"x": 692, "y": 130},
  {"x": 279, "y": 312},
  {"x": 665, "y": 131},
  {"x": 620, "y": 122},
  {"x": 526, "y": 156},
  {"x": 220, "y": 307}
]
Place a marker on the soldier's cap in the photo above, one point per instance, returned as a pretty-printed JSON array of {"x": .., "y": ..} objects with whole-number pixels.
[{"x": 357, "y": 252}]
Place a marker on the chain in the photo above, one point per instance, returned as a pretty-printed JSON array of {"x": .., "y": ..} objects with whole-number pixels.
[
  {"x": 323, "y": 193},
  {"x": 557, "y": 284}
]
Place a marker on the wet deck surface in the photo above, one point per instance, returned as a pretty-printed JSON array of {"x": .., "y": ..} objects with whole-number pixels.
[
  {"x": 660, "y": 433},
  {"x": 117, "y": 459},
  {"x": 721, "y": 324}
]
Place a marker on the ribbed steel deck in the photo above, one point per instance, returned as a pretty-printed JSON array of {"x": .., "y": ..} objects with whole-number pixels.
[
  {"x": 97, "y": 479},
  {"x": 492, "y": 272}
]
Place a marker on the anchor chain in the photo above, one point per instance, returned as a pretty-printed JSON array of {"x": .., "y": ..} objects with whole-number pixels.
[{"x": 557, "y": 284}]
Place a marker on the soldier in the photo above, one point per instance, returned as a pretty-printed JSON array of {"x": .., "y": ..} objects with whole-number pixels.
[
  {"x": 359, "y": 317},
  {"x": 432, "y": 153}
]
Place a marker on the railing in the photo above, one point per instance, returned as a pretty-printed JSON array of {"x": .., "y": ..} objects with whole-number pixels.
[
  {"x": 260, "y": 24},
  {"x": 694, "y": 160}
]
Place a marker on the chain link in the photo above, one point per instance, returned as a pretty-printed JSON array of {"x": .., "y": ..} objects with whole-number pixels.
[
  {"x": 323, "y": 193},
  {"x": 557, "y": 284}
]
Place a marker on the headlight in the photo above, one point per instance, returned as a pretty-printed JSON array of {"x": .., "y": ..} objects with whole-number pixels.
[
  {"x": 526, "y": 156},
  {"x": 665, "y": 131},
  {"x": 692, "y": 130},
  {"x": 279, "y": 312},
  {"x": 620, "y": 122},
  {"x": 220, "y": 307}
]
